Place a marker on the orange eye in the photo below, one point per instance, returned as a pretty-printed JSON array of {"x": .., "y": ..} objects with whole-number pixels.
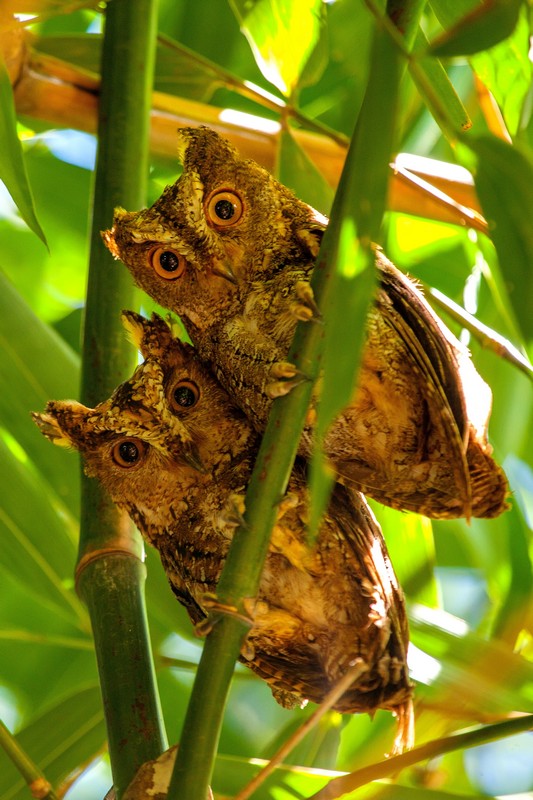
[
  {"x": 167, "y": 262},
  {"x": 224, "y": 208},
  {"x": 128, "y": 453},
  {"x": 185, "y": 395}
]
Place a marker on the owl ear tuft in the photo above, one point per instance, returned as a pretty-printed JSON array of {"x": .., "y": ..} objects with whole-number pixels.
[
  {"x": 63, "y": 422},
  {"x": 151, "y": 337}
]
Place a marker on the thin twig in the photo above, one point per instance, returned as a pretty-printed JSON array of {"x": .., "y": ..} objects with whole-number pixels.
[
  {"x": 37, "y": 783},
  {"x": 487, "y": 337},
  {"x": 457, "y": 741},
  {"x": 330, "y": 699}
]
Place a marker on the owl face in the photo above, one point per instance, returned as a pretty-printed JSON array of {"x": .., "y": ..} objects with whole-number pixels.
[
  {"x": 224, "y": 222},
  {"x": 167, "y": 430}
]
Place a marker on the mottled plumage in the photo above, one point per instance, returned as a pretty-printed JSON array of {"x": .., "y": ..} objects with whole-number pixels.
[
  {"x": 176, "y": 453},
  {"x": 231, "y": 251}
]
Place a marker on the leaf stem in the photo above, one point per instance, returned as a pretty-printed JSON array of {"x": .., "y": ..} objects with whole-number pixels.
[
  {"x": 33, "y": 776},
  {"x": 457, "y": 741}
]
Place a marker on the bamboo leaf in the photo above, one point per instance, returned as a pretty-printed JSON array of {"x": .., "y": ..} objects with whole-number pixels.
[
  {"x": 282, "y": 35},
  {"x": 504, "y": 182},
  {"x": 36, "y": 365},
  {"x": 296, "y": 170},
  {"x": 482, "y": 27},
  {"x": 12, "y": 170},
  {"x": 70, "y": 731}
]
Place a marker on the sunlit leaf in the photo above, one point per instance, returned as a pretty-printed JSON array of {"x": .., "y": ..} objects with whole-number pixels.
[
  {"x": 282, "y": 35},
  {"x": 471, "y": 675},
  {"x": 483, "y": 27},
  {"x": 506, "y": 70},
  {"x": 36, "y": 366},
  {"x": 12, "y": 170},
  {"x": 504, "y": 182},
  {"x": 297, "y": 171}
]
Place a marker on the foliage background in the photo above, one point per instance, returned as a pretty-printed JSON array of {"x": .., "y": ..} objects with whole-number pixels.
[{"x": 468, "y": 586}]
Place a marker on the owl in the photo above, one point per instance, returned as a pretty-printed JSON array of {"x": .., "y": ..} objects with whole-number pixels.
[
  {"x": 231, "y": 251},
  {"x": 176, "y": 453}
]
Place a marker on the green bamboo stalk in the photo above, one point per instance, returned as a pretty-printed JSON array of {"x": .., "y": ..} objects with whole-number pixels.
[
  {"x": 110, "y": 575},
  {"x": 31, "y": 773},
  {"x": 447, "y": 744},
  {"x": 242, "y": 572}
]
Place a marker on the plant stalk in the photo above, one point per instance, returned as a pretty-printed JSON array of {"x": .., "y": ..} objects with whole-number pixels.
[{"x": 110, "y": 574}]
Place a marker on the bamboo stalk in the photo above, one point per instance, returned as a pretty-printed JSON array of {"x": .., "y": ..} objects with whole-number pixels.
[{"x": 110, "y": 573}]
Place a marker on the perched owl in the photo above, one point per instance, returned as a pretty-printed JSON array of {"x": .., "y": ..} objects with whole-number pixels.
[
  {"x": 231, "y": 251},
  {"x": 175, "y": 452}
]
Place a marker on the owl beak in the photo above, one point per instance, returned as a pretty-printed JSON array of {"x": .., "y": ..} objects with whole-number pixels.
[
  {"x": 192, "y": 457},
  {"x": 224, "y": 270}
]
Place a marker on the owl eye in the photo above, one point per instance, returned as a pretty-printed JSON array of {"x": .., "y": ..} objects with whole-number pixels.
[
  {"x": 167, "y": 263},
  {"x": 128, "y": 452},
  {"x": 224, "y": 208},
  {"x": 185, "y": 395}
]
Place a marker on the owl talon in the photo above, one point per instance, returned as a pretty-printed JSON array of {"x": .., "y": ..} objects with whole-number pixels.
[
  {"x": 233, "y": 513},
  {"x": 216, "y": 609},
  {"x": 281, "y": 388},
  {"x": 305, "y": 309}
]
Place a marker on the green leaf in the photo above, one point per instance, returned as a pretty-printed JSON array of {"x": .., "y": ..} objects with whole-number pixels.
[
  {"x": 69, "y": 733},
  {"x": 36, "y": 366},
  {"x": 38, "y": 538},
  {"x": 12, "y": 170},
  {"x": 437, "y": 78},
  {"x": 483, "y": 27},
  {"x": 506, "y": 70},
  {"x": 296, "y": 170},
  {"x": 475, "y": 676},
  {"x": 282, "y": 35},
  {"x": 504, "y": 183}
]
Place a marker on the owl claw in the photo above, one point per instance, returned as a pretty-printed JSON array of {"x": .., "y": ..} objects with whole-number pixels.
[
  {"x": 215, "y": 608},
  {"x": 233, "y": 514},
  {"x": 283, "y": 387},
  {"x": 305, "y": 309}
]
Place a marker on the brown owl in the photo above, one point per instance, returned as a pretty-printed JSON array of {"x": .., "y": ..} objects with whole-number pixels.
[
  {"x": 231, "y": 251},
  {"x": 175, "y": 452}
]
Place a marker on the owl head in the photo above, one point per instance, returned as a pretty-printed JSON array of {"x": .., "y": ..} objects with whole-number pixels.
[
  {"x": 224, "y": 222},
  {"x": 169, "y": 425}
]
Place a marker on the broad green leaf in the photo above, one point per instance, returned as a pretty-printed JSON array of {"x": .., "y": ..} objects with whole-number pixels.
[
  {"x": 470, "y": 674},
  {"x": 506, "y": 70},
  {"x": 282, "y": 35},
  {"x": 296, "y": 170},
  {"x": 504, "y": 183},
  {"x": 483, "y": 27},
  {"x": 12, "y": 169},
  {"x": 179, "y": 71},
  {"x": 36, "y": 366},
  {"x": 71, "y": 732},
  {"x": 38, "y": 537}
]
